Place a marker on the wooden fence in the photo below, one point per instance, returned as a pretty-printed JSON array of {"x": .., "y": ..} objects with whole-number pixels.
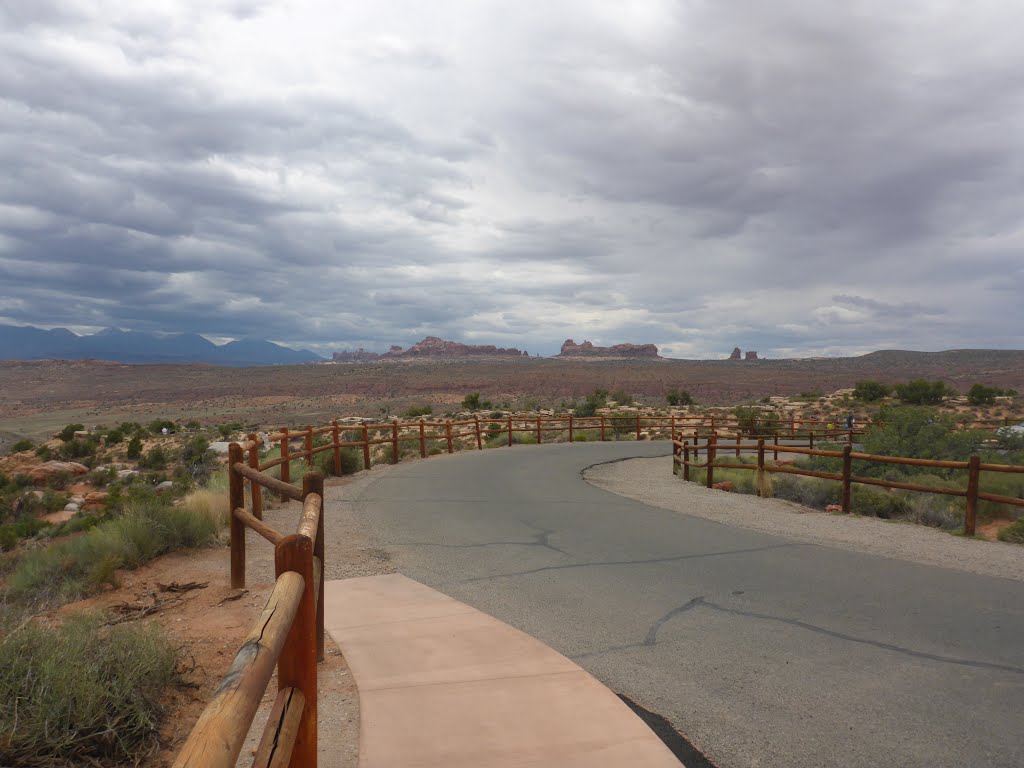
[
  {"x": 685, "y": 453},
  {"x": 288, "y": 634},
  {"x": 290, "y": 631}
]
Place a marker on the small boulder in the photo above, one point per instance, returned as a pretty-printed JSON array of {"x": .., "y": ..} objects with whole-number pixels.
[
  {"x": 42, "y": 473},
  {"x": 726, "y": 486},
  {"x": 164, "y": 487},
  {"x": 94, "y": 501},
  {"x": 124, "y": 474},
  {"x": 834, "y": 508},
  {"x": 71, "y": 506}
]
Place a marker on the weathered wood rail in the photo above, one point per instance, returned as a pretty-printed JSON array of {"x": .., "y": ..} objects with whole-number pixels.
[
  {"x": 685, "y": 454},
  {"x": 289, "y": 633}
]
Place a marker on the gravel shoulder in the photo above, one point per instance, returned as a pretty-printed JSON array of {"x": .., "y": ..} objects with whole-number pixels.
[{"x": 650, "y": 481}]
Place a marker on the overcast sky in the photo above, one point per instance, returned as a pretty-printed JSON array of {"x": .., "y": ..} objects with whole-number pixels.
[{"x": 798, "y": 178}]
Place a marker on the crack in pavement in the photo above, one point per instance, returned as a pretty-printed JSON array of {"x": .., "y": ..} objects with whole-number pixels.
[
  {"x": 541, "y": 539},
  {"x": 651, "y": 639},
  {"x": 651, "y": 561}
]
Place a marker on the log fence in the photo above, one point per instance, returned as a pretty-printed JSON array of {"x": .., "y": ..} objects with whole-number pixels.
[
  {"x": 290, "y": 632},
  {"x": 685, "y": 457}
]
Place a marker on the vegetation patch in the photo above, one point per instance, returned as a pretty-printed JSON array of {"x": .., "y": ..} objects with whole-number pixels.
[{"x": 82, "y": 692}]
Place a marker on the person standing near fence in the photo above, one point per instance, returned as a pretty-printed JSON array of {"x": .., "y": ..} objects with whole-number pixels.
[{"x": 850, "y": 421}]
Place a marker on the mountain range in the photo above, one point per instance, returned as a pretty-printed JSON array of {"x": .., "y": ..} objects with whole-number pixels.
[{"x": 30, "y": 343}]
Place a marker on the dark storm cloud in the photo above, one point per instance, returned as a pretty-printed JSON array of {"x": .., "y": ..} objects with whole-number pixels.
[{"x": 795, "y": 177}]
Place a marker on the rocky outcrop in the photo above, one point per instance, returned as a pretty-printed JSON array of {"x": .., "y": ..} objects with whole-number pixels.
[
  {"x": 750, "y": 356},
  {"x": 41, "y": 474},
  {"x": 359, "y": 356},
  {"x": 430, "y": 347},
  {"x": 736, "y": 354},
  {"x": 587, "y": 349}
]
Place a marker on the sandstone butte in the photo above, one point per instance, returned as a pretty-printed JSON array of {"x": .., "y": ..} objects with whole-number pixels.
[
  {"x": 432, "y": 347},
  {"x": 587, "y": 349}
]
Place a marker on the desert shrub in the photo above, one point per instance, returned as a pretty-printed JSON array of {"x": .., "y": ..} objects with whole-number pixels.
[
  {"x": 78, "y": 448},
  {"x": 754, "y": 421},
  {"x": 979, "y": 394},
  {"x": 586, "y": 435},
  {"x": 44, "y": 452},
  {"x": 923, "y": 392},
  {"x": 59, "y": 480},
  {"x": 197, "y": 458},
  {"x": 113, "y": 437},
  {"x": 877, "y": 502},
  {"x": 416, "y": 411},
  {"x": 68, "y": 433},
  {"x": 472, "y": 402},
  {"x": 159, "y": 425},
  {"x": 71, "y": 568},
  {"x": 596, "y": 399},
  {"x": 102, "y": 477},
  {"x": 621, "y": 397},
  {"x": 921, "y": 433},
  {"x": 156, "y": 458},
  {"x": 871, "y": 391},
  {"x": 21, "y": 445},
  {"x": 435, "y": 451},
  {"x": 677, "y": 396},
  {"x": 524, "y": 438},
  {"x": 351, "y": 462},
  {"x": 808, "y": 491},
  {"x": 134, "y": 449},
  {"x": 1014, "y": 534},
  {"x": 82, "y": 693}
]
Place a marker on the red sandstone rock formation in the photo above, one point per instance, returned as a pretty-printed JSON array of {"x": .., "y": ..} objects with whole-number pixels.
[
  {"x": 736, "y": 354},
  {"x": 587, "y": 349},
  {"x": 432, "y": 347},
  {"x": 750, "y": 356}
]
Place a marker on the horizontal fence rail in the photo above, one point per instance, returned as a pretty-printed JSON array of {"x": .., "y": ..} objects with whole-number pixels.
[{"x": 685, "y": 455}]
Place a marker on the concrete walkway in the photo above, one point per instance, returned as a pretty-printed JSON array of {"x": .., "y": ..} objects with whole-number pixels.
[{"x": 443, "y": 684}]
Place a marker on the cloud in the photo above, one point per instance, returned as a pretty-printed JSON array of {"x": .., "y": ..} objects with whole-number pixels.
[{"x": 796, "y": 178}]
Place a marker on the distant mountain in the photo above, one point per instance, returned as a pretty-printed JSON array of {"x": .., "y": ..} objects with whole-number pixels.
[{"x": 29, "y": 343}]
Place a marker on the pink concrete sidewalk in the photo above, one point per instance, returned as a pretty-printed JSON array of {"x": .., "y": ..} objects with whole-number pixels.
[{"x": 442, "y": 684}]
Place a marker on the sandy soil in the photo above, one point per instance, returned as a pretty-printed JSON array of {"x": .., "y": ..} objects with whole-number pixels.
[{"x": 651, "y": 481}]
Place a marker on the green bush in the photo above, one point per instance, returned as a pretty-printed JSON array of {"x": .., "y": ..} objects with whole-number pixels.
[
  {"x": 68, "y": 433},
  {"x": 921, "y": 433},
  {"x": 82, "y": 693},
  {"x": 44, "y": 452},
  {"x": 621, "y": 397},
  {"x": 979, "y": 394},
  {"x": 134, "y": 449},
  {"x": 156, "y": 458},
  {"x": 678, "y": 397},
  {"x": 199, "y": 461},
  {"x": 71, "y": 568},
  {"x": 1013, "y": 534},
  {"x": 351, "y": 462},
  {"x": 871, "y": 391},
  {"x": 416, "y": 411},
  {"x": 596, "y": 399},
  {"x": 923, "y": 392},
  {"x": 114, "y": 436},
  {"x": 878, "y": 502},
  {"x": 78, "y": 448},
  {"x": 21, "y": 445},
  {"x": 472, "y": 402},
  {"x": 754, "y": 421},
  {"x": 157, "y": 426}
]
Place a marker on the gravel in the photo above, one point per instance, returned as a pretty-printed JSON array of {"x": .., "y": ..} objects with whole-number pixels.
[{"x": 651, "y": 482}]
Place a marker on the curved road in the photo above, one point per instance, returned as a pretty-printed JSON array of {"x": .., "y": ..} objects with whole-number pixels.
[{"x": 763, "y": 651}]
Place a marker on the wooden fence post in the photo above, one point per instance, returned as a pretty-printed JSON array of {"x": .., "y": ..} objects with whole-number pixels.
[
  {"x": 509, "y": 431},
  {"x": 286, "y": 466},
  {"x": 712, "y": 422},
  {"x": 236, "y": 500},
  {"x": 849, "y": 436},
  {"x": 775, "y": 441},
  {"x": 394, "y": 441},
  {"x": 366, "y": 446},
  {"x": 847, "y": 472},
  {"x": 686, "y": 460},
  {"x": 638, "y": 425},
  {"x": 810, "y": 438},
  {"x": 672, "y": 428},
  {"x": 423, "y": 439},
  {"x": 712, "y": 451},
  {"x": 448, "y": 434},
  {"x": 737, "y": 444},
  {"x": 602, "y": 428},
  {"x": 336, "y": 442},
  {"x": 570, "y": 429},
  {"x": 313, "y": 482},
  {"x": 308, "y": 446},
  {"x": 973, "y": 478},
  {"x": 255, "y": 490},
  {"x": 479, "y": 440},
  {"x": 760, "y": 464},
  {"x": 792, "y": 426},
  {"x": 538, "y": 431},
  {"x": 296, "y": 667}
]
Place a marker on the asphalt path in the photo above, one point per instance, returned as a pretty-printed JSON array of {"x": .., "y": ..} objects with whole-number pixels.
[{"x": 762, "y": 650}]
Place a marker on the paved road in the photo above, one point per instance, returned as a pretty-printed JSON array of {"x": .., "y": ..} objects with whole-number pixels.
[{"x": 762, "y": 650}]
